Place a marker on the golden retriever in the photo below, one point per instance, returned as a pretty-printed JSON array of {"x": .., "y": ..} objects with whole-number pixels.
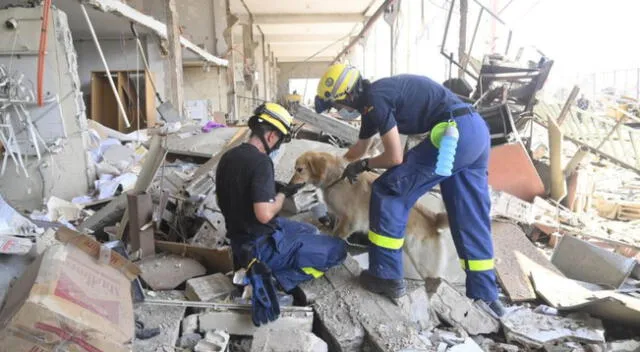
[{"x": 432, "y": 254}]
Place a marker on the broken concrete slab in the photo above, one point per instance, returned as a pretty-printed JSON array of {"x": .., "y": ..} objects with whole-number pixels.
[
  {"x": 238, "y": 322},
  {"x": 569, "y": 295},
  {"x": 285, "y": 167},
  {"x": 167, "y": 318},
  {"x": 416, "y": 305},
  {"x": 583, "y": 261},
  {"x": 350, "y": 316},
  {"x": 458, "y": 310},
  {"x": 214, "y": 341},
  {"x": 538, "y": 330},
  {"x": 190, "y": 323},
  {"x": 467, "y": 346},
  {"x": 279, "y": 340},
  {"x": 167, "y": 271},
  {"x": 189, "y": 340},
  {"x": 511, "y": 246},
  {"x": 624, "y": 346},
  {"x": 209, "y": 288},
  {"x": 328, "y": 124}
]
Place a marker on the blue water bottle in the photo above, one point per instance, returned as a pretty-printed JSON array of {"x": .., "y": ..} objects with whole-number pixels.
[{"x": 447, "y": 151}]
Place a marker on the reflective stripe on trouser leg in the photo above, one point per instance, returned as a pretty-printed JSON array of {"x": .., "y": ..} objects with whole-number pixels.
[
  {"x": 393, "y": 194},
  {"x": 466, "y": 198},
  {"x": 477, "y": 264},
  {"x": 313, "y": 272}
]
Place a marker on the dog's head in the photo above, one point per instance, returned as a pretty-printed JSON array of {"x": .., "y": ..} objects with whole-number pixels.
[{"x": 314, "y": 168}]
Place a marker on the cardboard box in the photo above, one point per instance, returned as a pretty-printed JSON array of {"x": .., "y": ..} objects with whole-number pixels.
[{"x": 67, "y": 301}]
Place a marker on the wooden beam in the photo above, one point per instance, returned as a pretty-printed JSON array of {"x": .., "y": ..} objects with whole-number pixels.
[
  {"x": 558, "y": 184},
  {"x": 567, "y": 105},
  {"x": 175, "y": 56}
]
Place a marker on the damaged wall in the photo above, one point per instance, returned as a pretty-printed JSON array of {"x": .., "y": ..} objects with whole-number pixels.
[
  {"x": 210, "y": 85},
  {"x": 289, "y": 70},
  {"x": 64, "y": 171}
]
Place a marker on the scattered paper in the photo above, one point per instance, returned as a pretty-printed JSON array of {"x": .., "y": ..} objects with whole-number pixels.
[{"x": 15, "y": 245}]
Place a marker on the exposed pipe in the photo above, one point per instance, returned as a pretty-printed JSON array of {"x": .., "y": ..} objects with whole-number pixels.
[
  {"x": 42, "y": 50},
  {"x": 365, "y": 29},
  {"x": 106, "y": 67}
]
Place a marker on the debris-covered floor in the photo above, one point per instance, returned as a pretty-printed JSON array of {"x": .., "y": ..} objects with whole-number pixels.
[{"x": 111, "y": 238}]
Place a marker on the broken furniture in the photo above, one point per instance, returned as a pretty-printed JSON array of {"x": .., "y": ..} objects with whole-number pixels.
[{"x": 104, "y": 109}]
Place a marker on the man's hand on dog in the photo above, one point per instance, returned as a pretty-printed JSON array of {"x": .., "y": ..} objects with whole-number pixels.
[
  {"x": 355, "y": 168},
  {"x": 288, "y": 189}
]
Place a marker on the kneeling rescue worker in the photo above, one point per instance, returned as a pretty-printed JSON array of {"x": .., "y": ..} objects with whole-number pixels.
[
  {"x": 250, "y": 199},
  {"x": 415, "y": 105}
]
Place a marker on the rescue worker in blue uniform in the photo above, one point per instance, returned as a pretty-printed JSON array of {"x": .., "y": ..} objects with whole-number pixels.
[
  {"x": 413, "y": 105},
  {"x": 250, "y": 201}
]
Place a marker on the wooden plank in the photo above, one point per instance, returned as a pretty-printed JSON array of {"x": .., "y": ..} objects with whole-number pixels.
[
  {"x": 141, "y": 236},
  {"x": 122, "y": 127},
  {"x": 510, "y": 246},
  {"x": 149, "y": 100},
  {"x": 558, "y": 184}
]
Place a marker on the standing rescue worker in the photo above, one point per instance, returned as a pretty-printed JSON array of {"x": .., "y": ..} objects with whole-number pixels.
[
  {"x": 250, "y": 200},
  {"x": 414, "y": 105}
]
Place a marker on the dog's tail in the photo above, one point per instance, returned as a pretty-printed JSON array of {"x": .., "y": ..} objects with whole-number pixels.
[{"x": 440, "y": 220}]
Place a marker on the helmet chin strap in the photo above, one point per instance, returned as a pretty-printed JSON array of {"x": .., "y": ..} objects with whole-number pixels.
[{"x": 265, "y": 145}]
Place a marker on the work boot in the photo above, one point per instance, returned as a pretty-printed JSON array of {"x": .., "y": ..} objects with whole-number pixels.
[
  {"x": 494, "y": 308},
  {"x": 387, "y": 287}
]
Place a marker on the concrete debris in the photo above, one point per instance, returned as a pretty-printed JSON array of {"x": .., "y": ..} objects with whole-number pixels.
[
  {"x": 189, "y": 340},
  {"x": 624, "y": 346},
  {"x": 14, "y": 223},
  {"x": 458, "y": 310},
  {"x": 15, "y": 245},
  {"x": 209, "y": 288},
  {"x": 514, "y": 251},
  {"x": 238, "y": 322},
  {"x": 190, "y": 324},
  {"x": 583, "y": 261},
  {"x": 538, "y": 330},
  {"x": 167, "y": 271},
  {"x": 214, "y": 341},
  {"x": 166, "y": 318},
  {"x": 272, "y": 340},
  {"x": 416, "y": 305},
  {"x": 491, "y": 346}
]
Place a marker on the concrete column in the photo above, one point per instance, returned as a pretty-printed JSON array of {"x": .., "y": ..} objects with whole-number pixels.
[{"x": 175, "y": 56}]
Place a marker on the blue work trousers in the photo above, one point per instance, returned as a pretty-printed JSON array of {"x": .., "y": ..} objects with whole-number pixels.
[
  {"x": 296, "y": 252},
  {"x": 466, "y": 197}
]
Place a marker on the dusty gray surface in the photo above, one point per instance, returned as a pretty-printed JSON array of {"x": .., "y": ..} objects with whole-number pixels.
[
  {"x": 535, "y": 330},
  {"x": 167, "y": 318},
  {"x": 200, "y": 143},
  {"x": 272, "y": 340},
  {"x": 458, "y": 310},
  {"x": 167, "y": 271},
  {"x": 11, "y": 267},
  {"x": 209, "y": 288}
]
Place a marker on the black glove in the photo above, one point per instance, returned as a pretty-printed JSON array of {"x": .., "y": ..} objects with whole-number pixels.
[
  {"x": 288, "y": 189},
  {"x": 265, "y": 306},
  {"x": 355, "y": 168}
]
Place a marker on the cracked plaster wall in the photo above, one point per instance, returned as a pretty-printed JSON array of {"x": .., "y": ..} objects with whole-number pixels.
[{"x": 63, "y": 172}]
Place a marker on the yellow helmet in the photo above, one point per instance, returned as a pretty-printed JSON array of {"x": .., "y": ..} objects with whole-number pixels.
[
  {"x": 275, "y": 115},
  {"x": 337, "y": 82}
]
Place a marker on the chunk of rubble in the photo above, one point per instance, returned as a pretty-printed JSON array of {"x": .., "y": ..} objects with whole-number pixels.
[
  {"x": 539, "y": 330},
  {"x": 208, "y": 288},
  {"x": 214, "y": 341},
  {"x": 167, "y": 271},
  {"x": 284, "y": 340},
  {"x": 458, "y": 310},
  {"x": 624, "y": 346}
]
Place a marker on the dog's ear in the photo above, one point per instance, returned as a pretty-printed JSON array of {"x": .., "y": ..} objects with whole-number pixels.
[{"x": 317, "y": 166}]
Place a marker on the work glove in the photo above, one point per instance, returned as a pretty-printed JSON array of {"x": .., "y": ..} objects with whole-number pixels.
[
  {"x": 288, "y": 189},
  {"x": 265, "y": 306},
  {"x": 355, "y": 168}
]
